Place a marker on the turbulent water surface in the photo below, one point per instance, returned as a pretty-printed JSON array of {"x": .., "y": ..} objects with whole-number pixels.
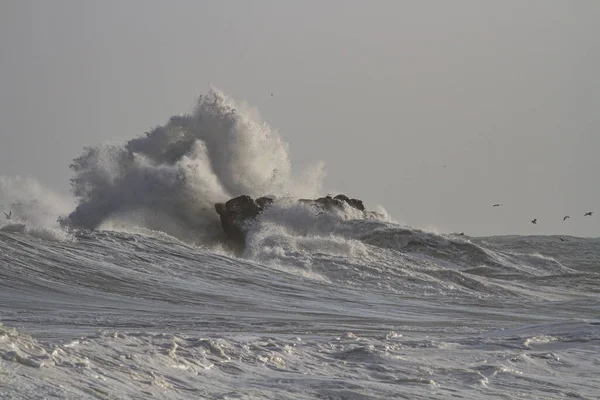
[{"x": 148, "y": 304}]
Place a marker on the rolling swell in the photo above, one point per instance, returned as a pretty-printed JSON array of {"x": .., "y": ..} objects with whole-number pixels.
[{"x": 325, "y": 315}]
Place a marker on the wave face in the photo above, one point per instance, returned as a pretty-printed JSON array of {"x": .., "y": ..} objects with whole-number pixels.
[
  {"x": 338, "y": 305},
  {"x": 375, "y": 311}
]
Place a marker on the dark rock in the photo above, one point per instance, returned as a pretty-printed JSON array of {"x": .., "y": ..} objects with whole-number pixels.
[
  {"x": 358, "y": 204},
  {"x": 238, "y": 212},
  {"x": 329, "y": 203},
  {"x": 264, "y": 201}
]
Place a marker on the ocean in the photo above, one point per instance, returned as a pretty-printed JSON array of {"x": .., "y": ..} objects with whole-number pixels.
[{"x": 138, "y": 298}]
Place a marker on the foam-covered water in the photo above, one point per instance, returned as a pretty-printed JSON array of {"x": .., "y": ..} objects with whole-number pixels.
[{"x": 335, "y": 306}]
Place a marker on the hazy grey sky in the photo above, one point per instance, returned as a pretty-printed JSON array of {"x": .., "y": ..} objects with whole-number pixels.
[{"x": 505, "y": 94}]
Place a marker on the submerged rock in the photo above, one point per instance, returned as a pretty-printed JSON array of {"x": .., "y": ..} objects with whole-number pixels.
[{"x": 237, "y": 212}]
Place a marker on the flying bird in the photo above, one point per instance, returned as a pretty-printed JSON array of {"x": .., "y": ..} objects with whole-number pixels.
[
  {"x": 496, "y": 205},
  {"x": 534, "y": 221},
  {"x": 588, "y": 213},
  {"x": 566, "y": 217},
  {"x": 8, "y": 215}
]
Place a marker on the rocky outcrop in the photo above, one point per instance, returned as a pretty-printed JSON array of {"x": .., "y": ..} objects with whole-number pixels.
[
  {"x": 237, "y": 212},
  {"x": 329, "y": 203}
]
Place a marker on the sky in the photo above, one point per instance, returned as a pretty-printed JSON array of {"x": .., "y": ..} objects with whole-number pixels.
[{"x": 434, "y": 110}]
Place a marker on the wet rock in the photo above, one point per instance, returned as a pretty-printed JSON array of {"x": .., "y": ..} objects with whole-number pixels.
[{"x": 238, "y": 212}]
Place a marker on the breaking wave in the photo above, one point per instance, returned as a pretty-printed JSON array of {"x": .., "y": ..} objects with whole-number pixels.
[{"x": 169, "y": 179}]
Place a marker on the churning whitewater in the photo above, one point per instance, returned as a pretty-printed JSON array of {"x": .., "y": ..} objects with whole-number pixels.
[{"x": 127, "y": 291}]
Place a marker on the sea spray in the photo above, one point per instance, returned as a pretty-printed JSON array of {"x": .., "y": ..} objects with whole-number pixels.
[{"x": 170, "y": 178}]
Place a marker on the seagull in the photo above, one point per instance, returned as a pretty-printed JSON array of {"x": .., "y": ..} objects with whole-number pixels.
[
  {"x": 496, "y": 205},
  {"x": 8, "y": 215},
  {"x": 534, "y": 221},
  {"x": 588, "y": 213},
  {"x": 566, "y": 217}
]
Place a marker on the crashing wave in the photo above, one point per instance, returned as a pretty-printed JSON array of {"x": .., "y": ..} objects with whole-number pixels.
[{"x": 170, "y": 178}]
